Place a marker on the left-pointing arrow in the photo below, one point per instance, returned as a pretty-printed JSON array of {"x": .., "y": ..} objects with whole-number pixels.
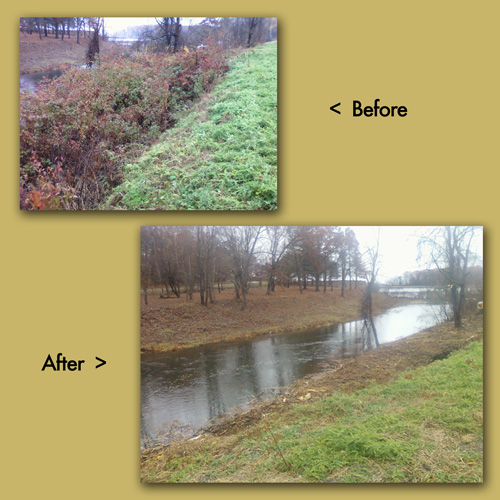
[
  {"x": 334, "y": 106},
  {"x": 102, "y": 362}
]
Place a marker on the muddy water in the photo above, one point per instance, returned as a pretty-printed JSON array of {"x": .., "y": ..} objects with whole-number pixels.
[{"x": 181, "y": 392}]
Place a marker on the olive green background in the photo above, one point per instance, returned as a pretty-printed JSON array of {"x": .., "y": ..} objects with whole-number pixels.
[{"x": 70, "y": 281}]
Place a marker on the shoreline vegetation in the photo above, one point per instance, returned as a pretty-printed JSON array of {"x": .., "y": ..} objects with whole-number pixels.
[
  {"x": 176, "y": 323},
  {"x": 190, "y": 130},
  {"x": 407, "y": 411}
]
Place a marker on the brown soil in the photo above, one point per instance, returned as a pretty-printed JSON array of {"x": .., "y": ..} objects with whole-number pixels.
[
  {"x": 173, "y": 323},
  {"x": 49, "y": 53},
  {"x": 376, "y": 366}
]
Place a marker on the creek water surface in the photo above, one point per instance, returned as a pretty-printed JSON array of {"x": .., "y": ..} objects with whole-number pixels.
[
  {"x": 29, "y": 82},
  {"x": 181, "y": 392}
]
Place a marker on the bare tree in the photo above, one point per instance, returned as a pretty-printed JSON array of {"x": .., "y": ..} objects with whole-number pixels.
[
  {"x": 147, "y": 271},
  {"x": 38, "y": 27},
  {"x": 206, "y": 247},
  {"x": 170, "y": 32},
  {"x": 93, "y": 48},
  {"x": 253, "y": 24},
  {"x": 279, "y": 240},
  {"x": 450, "y": 250},
  {"x": 367, "y": 300},
  {"x": 241, "y": 242}
]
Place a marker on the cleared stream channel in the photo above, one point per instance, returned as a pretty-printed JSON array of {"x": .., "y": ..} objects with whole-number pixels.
[{"x": 181, "y": 392}]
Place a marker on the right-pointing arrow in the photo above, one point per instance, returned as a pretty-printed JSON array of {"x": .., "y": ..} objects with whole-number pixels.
[
  {"x": 102, "y": 362},
  {"x": 334, "y": 106}
]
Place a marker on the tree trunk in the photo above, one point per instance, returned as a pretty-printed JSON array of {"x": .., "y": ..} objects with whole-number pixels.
[
  {"x": 38, "y": 28},
  {"x": 93, "y": 48},
  {"x": 177, "y": 34}
]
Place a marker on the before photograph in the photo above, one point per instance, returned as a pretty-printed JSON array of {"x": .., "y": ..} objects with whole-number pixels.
[{"x": 161, "y": 113}]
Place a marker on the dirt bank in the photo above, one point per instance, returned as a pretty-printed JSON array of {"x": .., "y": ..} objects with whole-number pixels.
[
  {"x": 49, "y": 53},
  {"x": 174, "y": 323},
  {"x": 376, "y": 366}
]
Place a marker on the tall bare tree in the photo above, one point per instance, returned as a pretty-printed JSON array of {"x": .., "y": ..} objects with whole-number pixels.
[
  {"x": 95, "y": 23},
  {"x": 372, "y": 257},
  {"x": 450, "y": 250},
  {"x": 253, "y": 24},
  {"x": 241, "y": 241},
  {"x": 205, "y": 258},
  {"x": 279, "y": 239},
  {"x": 170, "y": 32}
]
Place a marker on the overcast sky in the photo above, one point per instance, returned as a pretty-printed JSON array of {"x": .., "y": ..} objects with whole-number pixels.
[
  {"x": 114, "y": 24},
  {"x": 398, "y": 247}
]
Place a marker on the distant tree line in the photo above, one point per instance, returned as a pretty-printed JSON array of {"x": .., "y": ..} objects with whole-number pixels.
[
  {"x": 199, "y": 260},
  {"x": 59, "y": 27},
  {"x": 172, "y": 34},
  {"x": 434, "y": 277}
]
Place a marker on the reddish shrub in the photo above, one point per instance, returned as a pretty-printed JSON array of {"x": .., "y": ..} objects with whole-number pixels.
[{"x": 74, "y": 129}]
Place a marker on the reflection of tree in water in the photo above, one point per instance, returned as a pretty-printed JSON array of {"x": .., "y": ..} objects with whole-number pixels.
[
  {"x": 369, "y": 338},
  {"x": 358, "y": 337},
  {"x": 370, "y": 332}
]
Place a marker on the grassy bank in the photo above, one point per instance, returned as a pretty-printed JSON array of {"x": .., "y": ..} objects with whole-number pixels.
[
  {"x": 222, "y": 153},
  {"x": 424, "y": 425},
  {"x": 169, "y": 324}
]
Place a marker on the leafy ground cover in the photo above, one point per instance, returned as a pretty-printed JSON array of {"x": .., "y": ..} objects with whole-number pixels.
[
  {"x": 170, "y": 324},
  {"x": 51, "y": 53},
  {"x": 78, "y": 129},
  {"x": 222, "y": 153},
  {"x": 410, "y": 411}
]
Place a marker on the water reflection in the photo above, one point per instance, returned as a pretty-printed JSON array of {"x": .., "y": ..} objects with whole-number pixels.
[{"x": 181, "y": 392}]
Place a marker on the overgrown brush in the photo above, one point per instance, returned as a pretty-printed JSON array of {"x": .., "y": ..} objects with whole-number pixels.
[{"x": 75, "y": 129}]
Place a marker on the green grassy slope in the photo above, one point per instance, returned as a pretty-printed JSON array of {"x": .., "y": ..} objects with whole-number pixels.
[
  {"x": 222, "y": 153},
  {"x": 424, "y": 427}
]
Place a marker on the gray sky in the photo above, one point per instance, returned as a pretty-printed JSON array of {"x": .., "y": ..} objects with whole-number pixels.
[
  {"x": 398, "y": 247},
  {"x": 115, "y": 24}
]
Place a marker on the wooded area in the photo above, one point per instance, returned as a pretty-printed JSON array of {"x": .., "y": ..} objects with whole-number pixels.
[
  {"x": 170, "y": 33},
  {"x": 201, "y": 259}
]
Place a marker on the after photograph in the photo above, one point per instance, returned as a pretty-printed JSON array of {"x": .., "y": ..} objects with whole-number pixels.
[{"x": 311, "y": 354}]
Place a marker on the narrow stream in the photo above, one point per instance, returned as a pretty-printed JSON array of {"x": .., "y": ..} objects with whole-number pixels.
[
  {"x": 181, "y": 392},
  {"x": 29, "y": 82}
]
